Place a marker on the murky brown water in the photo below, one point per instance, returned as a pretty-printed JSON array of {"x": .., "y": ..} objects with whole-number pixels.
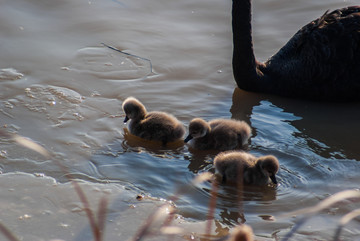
[{"x": 63, "y": 89}]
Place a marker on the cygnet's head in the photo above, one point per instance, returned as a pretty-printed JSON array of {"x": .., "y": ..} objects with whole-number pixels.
[
  {"x": 133, "y": 109},
  {"x": 197, "y": 128},
  {"x": 242, "y": 233},
  {"x": 270, "y": 165}
]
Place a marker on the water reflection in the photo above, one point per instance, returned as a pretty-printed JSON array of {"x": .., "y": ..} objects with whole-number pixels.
[
  {"x": 235, "y": 202},
  {"x": 230, "y": 218},
  {"x": 199, "y": 160},
  {"x": 329, "y": 129},
  {"x": 160, "y": 171},
  {"x": 305, "y": 163},
  {"x": 134, "y": 143},
  {"x": 314, "y": 141}
]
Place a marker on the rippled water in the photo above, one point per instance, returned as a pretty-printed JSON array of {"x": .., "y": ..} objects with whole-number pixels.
[{"x": 63, "y": 89}]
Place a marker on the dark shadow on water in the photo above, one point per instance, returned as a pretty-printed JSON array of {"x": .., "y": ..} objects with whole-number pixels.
[
  {"x": 200, "y": 160},
  {"x": 231, "y": 218},
  {"x": 334, "y": 124}
]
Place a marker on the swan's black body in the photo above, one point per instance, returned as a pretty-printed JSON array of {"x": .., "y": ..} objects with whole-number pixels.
[{"x": 321, "y": 61}]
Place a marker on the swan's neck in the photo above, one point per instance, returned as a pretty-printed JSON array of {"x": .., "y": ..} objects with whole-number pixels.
[{"x": 244, "y": 63}]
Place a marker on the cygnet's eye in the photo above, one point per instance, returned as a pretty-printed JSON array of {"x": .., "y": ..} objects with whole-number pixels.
[{"x": 194, "y": 132}]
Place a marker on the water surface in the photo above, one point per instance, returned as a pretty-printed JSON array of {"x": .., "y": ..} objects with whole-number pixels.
[{"x": 63, "y": 89}]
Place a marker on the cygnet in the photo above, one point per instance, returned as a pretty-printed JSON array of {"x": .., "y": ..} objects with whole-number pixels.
[
  {"x": 242, "y": 232},
  {"x": 219, "y": 134},
  {"x": 157, "y": 126},
  {"x": 235, "y": 166}
]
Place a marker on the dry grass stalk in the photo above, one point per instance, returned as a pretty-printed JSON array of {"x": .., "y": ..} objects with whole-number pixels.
[
  {"x": 7, "y": 233},
  {"x": 156, "y": 216},
  {"x": 326, "y": 203},
  {"x": 145, "y": 229},
  {"x": 101, "y": 214},
  {"x": 97, "y": 226},
  {"x": 25, "y": 142},
  {"x": 240, "y": 189},
  {"x": 212, "y": 207},
  {"x": 344, "y": 220}
]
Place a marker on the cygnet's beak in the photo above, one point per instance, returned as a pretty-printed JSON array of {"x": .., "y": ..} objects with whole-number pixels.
[
  {"x": 126, "y": 119},
  {"x": 273, "y": 179},
  {"x": 188, "y": 138}
]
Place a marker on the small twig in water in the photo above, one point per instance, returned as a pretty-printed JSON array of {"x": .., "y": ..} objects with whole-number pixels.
[{"x": 132, "y": 55}]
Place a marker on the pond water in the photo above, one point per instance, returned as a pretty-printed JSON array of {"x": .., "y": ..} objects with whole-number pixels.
[{"x": 63, "y": 89}]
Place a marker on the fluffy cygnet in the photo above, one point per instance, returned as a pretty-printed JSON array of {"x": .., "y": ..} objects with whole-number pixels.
[
  {"x": 157, "y": 126},
  {"x": 242, "y": 232},
  {"x": 219, "y": 134},
  {"x": 235, "y": 166}
]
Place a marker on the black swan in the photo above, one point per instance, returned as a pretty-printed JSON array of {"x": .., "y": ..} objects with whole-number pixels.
[{"x": 321, "y": 61}]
